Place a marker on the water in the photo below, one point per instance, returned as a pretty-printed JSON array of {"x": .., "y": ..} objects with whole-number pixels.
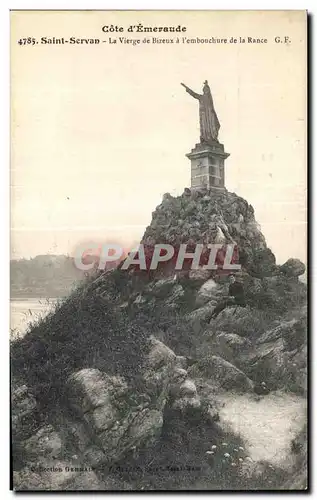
[{"x": 25, "y": 311}]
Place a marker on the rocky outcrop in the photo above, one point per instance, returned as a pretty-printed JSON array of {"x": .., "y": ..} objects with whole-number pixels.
[
  {"x": 133, "y": 361},
  {"x": 222, "y": 374},
  {"x": 120, "y": 420},
  {"x": 207, "y": 217},
  {"x": 106, "y": 420},
  {"x": 209, "y": 292},
  {"x": 49, "y": 463},
  {"x": 24, "y": 416},
  {"x": 279, "y": 356},
  {"x": 293, "y": 267},
  {"x": 117, "y": 419}
]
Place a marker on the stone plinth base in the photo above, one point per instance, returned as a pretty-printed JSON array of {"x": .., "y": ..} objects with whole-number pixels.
[{"x": 207, "y": 166}]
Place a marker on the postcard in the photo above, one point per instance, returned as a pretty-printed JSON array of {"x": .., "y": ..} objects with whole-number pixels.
[{"x": 158, "y": 250}]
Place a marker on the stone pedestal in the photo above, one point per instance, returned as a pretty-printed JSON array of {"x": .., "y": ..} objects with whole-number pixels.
[{"x": 207, "y": 166}]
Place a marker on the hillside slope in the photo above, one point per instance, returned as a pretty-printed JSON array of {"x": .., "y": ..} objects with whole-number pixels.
[{"x": 130, "y": 378}]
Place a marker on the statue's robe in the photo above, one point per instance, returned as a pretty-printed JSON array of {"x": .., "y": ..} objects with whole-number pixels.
[{"x": 209, "y": 123}]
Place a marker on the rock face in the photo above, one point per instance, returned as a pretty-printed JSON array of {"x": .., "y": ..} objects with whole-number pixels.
[
  {"x": 110, "y": 421},
  {"x": 45, "y": 443},
  {"x": 208, "y": 292},
  {"x": 293, "y": 267},
  {"x": 279, "y": 356},
  {"x": 207, "y": 217},
  {"x": 222, "y": 373},
  {"x": 120, "y": 420},
  {"x": 24, "y": 412}
]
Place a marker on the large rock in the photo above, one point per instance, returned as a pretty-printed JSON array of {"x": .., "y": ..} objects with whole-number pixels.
[
  {"x": 263, "y": 262},
  {"x": 120, "y": 417},
  {"x": 293, "y": 267},
  {"x": 185, "y": 388},
  {"x": 159, "y": 355},
  {"x": 229, "y": 345},
  {"x": 46, "y": 443},
  {"x": 137, "y": 429},
  {"x": 179, "y": 375},
  {"x": 24, "y": 416},
  {"x": 277, "y": 292},
  {"x": 181, "y": 362},
  {"x": 187, "y": 403},
  {"x": 197, "y": 277},
  {"x": 234, "y": 341},
  {"x": 188, "y": 218},
  {"x": 161, "y": 288},
  {"x": 176, "y": 297},
  {"x": 222, "y": 374},
  {"x": 210, "y": 291},
  {"x": 293, "y": 332},
  {"x": 279, "y": 357},
  {"x": 90, "y": 388},
  {"x": 202, "y": 314}
]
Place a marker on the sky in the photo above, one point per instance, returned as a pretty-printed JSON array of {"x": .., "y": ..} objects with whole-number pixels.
[{"x": 100, "y": 132}]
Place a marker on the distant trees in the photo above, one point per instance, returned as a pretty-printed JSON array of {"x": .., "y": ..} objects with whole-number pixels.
[{"x": 44, "y": 276}]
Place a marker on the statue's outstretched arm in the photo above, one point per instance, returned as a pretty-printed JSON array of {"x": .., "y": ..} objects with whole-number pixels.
[{"x": 191, "y": 92}]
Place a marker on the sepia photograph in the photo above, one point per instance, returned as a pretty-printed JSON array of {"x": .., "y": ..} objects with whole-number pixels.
[{"x": 158, "y": 256}]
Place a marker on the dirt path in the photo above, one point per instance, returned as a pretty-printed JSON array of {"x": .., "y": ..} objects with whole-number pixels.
[{"x": 267, "y": 426}]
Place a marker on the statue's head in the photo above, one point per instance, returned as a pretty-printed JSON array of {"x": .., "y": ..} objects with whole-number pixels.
[{"x": 206, "y": 88}]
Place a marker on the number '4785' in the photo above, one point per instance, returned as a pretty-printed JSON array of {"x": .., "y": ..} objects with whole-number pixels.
[{"x": 27, "y": 41}]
